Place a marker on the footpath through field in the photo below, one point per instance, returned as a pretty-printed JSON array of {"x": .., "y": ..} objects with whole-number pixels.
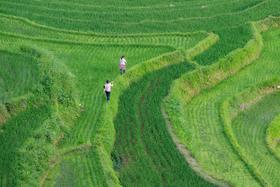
[{"x": 65, "y": 31}]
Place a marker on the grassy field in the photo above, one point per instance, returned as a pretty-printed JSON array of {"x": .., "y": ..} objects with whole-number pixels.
[
  {"x": 202, "y": 131},
  {"x": 19, "y": 74},
  {"x": 250, "y": 130},
  {"x": 144, "y": 16},
  {"x": 87, "y": 81},
  {"x": 142, "y": 138},
  {"x": 272, "y": 136},
  {"x": 57, "y": 130},
  {"x": 94, "y": 65}
]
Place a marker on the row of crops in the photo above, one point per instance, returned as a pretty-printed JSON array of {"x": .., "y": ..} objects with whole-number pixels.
[
  {"x": 147, "y": 16},
  {"x": 57, "y": 130},
  {"x": 142, "y": 138},
  {"x": 237, "y": 110},
  {"x": 78, "y": 57}
]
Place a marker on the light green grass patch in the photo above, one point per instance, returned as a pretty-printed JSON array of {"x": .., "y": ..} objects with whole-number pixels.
[
  {"x": 273, "y": 134},
  {"x": 199, "y": 124}
]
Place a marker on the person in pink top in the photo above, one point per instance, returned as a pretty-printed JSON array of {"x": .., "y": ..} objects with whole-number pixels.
[
  {"x": 107, "y": 89},
  {"x": 122, "y": 65}
]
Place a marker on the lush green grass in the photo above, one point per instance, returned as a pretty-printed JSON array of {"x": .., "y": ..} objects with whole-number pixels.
[
  {"x": 18, "y": 76},
  {"x": 226, "y": 18},
  {"x": 249, "y": 127},
  {"x": 226, "y": 44},
  {"x": 38, "y": 94},
  {"x": 142, "y": 138},
  {"x": 92, "y": 65},
  {"x": 14, "y": 136},
  {"x": 79, "y": 43},
  {"x": 144, "y": 16},
  {"x": 201, "y": 129},
  {"x": 91, "y": 75},
  {"x": 87, "y": 126},
  {"x": 25, "y": 28},
  {"x": 88, "y": 81},
  {"x": 273, "y": 135}
]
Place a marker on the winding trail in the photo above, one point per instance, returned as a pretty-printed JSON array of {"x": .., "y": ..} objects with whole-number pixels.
[{"x": 189, "y": 157}]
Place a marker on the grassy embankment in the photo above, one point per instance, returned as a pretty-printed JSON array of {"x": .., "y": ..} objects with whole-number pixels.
[
  {"x": 37, "y": 114},
  {"x": 194, "y": 108},
  {"x": 84, "y": 52},
  {"x": 72, "y": 54}
]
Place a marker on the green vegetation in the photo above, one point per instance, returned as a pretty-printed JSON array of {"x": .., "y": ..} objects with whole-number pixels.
[
  {"x": 88, "y": 125},
  {"x": 57, "y": 130},
  {"x": 38, "y": 117},
  {"x": 230, "y": 109},
  {"x": 23, "y": 127},
  {"x": 18, "y": 78},
  {"x": 144, "y": 16},
  {"x": 273, "y": 135},
  {"x": 18, "y": 75},
  {"x": 142, "y": 138},
  {"x": 136, "y": 74},
  {"x": 251, "y": 138},
  {"x": 84, "y": 130},
  {"x": 199, "y": 124}
]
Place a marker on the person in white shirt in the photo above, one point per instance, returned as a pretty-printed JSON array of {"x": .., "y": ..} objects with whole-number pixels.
[
  {"x": 107, "y": 89},
  {"x": 122, "y": 65}
]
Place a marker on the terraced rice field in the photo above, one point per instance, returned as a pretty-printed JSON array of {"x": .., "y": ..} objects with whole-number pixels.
[
  {"x": 146, "y": 144},
  {"x": 57, "y": 130},
  {"x": 206, "y": 133},
  {"x": 255, "y": 135}
]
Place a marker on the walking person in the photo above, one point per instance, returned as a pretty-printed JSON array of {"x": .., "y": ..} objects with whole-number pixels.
[
  {"x": 107, "y": 89},
  {"x": 122, "y": 65}
]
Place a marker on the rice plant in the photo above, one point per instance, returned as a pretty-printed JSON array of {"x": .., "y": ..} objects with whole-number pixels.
[{"x": 57, "y": 130}]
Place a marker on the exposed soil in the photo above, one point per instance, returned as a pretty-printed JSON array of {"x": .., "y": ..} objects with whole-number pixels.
[{"x": 188, "y": 156}]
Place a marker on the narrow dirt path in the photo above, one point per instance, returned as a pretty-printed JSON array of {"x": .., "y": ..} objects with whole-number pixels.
[{"x": 188, "y": 156}]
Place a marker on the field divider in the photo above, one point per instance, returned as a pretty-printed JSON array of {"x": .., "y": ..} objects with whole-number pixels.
[
  {"x": 168, "y": 21},
  {"x": 191, "y": 18},
  {"x": 208, "y": 76},
  {"x": 79, "y": 43},
  {"x": 268, "y": 23},
  {"x": 104, "y": 140},
  {"x": 102, "y": 7},
  {"x": 189, "y": 157},
  {"x": 92, "y": 34}
]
